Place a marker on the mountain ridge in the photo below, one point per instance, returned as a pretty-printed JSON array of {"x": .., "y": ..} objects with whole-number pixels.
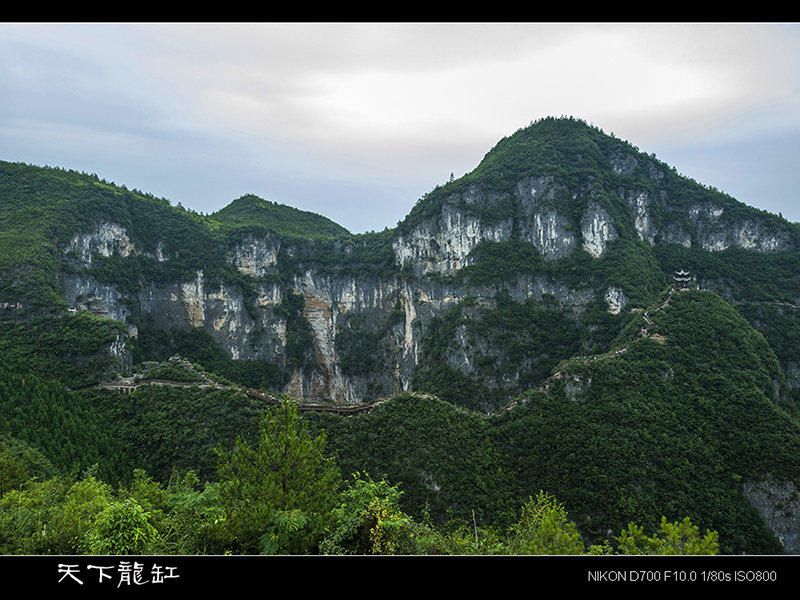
[
  {"x": 557, "y": 211},
  {"x": 554, "y": 248},
  {"x": 251, "y": 212}
]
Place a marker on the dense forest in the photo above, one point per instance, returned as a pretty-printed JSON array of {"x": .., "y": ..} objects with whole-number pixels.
[
  {"x": 532, "y": 399},
  {"x": 279, "y": 494}
]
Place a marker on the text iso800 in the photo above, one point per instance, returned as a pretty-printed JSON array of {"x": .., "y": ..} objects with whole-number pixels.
[
  {"x": 755, "y": 576},
  {"x": 740, "y": 576}
]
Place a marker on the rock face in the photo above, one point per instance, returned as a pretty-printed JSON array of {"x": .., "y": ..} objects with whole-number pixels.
[
  {"x": 106, "y": 240},
  {"x": 256, "y": 256},
  {"x": 778, "y": 504},
  {"x": 84, "y": 292},
  {"x": 391, "y": 312},
  {"x": 367, "y": 334},
  {"x": 597, "y": 231},
  {"x": 443, "y": 244},
  {"x": 708, "y": 227}
]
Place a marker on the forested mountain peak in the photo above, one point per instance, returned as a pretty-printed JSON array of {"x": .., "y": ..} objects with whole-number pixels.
[
  {"x": 563, "y": 188},
  {"x": 249, "y": 212},
  {"x": 571, "y": 164},
  {"x": 535, "y": 269}
]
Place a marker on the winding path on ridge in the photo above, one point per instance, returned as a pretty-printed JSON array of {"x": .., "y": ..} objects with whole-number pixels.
[
  {"x": 558, "y": 372},
  {"x": 125, "y": 386},
  {"x": 128, "y": 386}
]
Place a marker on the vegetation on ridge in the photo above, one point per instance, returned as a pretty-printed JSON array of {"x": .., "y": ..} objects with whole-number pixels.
[
  {"x": 283, "y": 495},
  {"x": 546, "y": 419},
  {"x": 252, "y": 214}
]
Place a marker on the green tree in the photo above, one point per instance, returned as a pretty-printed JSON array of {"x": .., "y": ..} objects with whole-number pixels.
[
  {"x": 25, "y": 515},
  {"x": 680, "y": 537},
  {"x": 71, "y": 521},
  {"x": 13, "y": 471},
  {"x": 385, "y": 529},
  {"x": 544, "y": 528},
  {"x": 369, "y": 521},
  {"x": 286, "y": 487},
  {"x": 123, "y": 528},
  {"x": 191, "y": 509},
  {"x": 284, "y": 533},
  {"x": 19, "y": 462},
  {"x": 149, "y": 494},
  {"x": 461, "y": 538}
]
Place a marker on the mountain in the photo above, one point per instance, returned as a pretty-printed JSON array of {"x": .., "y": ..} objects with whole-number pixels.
[
  {"x": 531, "y": 298},
  {"x": 575, "y": 227},
  {"x": 257, "y": 215},
  {"x": 683, "y": 415}
]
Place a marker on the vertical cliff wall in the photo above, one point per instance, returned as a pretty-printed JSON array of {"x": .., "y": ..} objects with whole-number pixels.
[{"x": 572, "y": 231}]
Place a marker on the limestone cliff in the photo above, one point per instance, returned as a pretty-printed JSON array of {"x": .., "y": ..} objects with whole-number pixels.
[{"x": 585, "y": 216}]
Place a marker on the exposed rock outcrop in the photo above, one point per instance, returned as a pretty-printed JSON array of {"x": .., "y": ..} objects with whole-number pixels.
[{"x": 559, "y": 214}]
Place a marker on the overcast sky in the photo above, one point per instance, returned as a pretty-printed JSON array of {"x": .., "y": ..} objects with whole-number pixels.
[{"x": 358, "y": 121}]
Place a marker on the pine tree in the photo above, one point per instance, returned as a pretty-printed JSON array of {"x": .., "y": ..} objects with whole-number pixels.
[{"x": 278, "y": 497}]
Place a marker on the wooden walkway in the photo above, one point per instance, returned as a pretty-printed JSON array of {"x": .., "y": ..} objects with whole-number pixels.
[
  {"x": 127, "y": 388},
  {"x": 301, "y": 406}
]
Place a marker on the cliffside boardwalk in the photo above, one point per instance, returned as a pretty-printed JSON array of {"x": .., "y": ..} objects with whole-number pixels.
[{"x": 127, "y": 386}]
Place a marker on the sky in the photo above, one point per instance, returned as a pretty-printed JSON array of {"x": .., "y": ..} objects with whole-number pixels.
[{"x": 357, "y": 121}]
